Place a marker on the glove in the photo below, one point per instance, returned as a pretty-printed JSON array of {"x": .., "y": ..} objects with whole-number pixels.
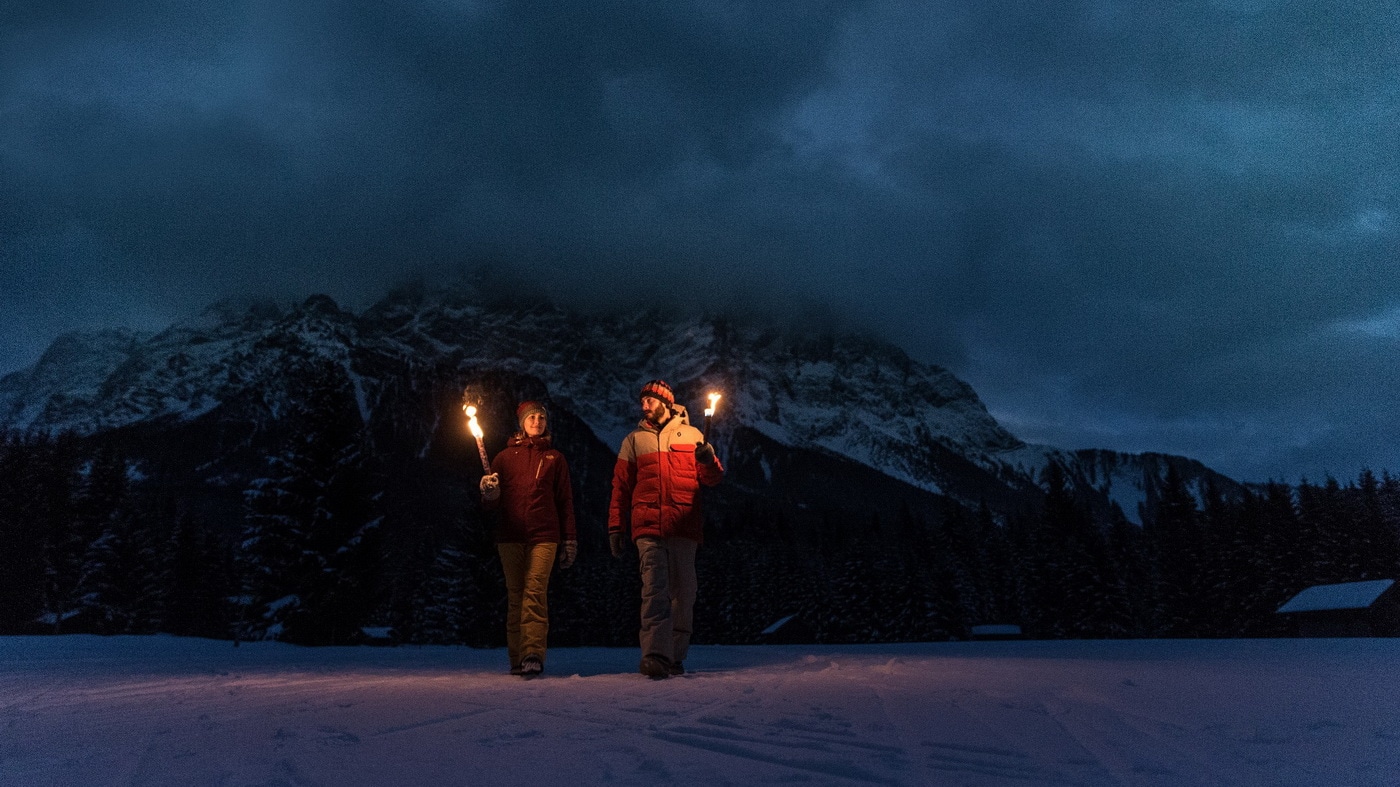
[
  {"x": 617, "y": 543},
  {"x": 491, "y": 486},
  {"x": 570, "y": 554},
  {"x": 705, "y": 454}
]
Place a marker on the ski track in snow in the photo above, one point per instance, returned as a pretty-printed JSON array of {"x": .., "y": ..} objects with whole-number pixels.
[{"x": 165, "y": 711}]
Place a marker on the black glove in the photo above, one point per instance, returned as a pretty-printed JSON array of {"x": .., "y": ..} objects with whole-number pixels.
[
  {"x": 569, "y": 554},
  {"x": 705, "y": 454},
  {"x": 617, "y": 543}
]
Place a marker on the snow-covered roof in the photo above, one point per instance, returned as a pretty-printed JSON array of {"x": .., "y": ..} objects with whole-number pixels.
[{"x": 1346, "y": 595}]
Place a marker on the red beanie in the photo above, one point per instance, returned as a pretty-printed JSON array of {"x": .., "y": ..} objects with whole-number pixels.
[
  {"x": 526, "y": 407},
  {"x": 659, "y": 390}
]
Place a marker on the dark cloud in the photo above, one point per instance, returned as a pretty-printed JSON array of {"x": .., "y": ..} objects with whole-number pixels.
[{"x": 1146, "y": 226}]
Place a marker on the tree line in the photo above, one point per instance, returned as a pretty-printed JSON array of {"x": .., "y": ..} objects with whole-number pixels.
[{"x": 326, "y": 549}]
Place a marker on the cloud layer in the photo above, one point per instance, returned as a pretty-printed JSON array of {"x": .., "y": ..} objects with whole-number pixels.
[{"x": 1136, "y": 225}]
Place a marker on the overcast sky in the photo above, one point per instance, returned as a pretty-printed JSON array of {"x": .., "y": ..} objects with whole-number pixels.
[{"x": 1165, "y": 226}]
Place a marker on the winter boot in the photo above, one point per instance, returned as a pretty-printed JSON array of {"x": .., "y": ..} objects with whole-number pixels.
[
  {"x": 677, "y": 668},
  {"x": 655, "y": 666},
  {"x": 531, "y": 667}
]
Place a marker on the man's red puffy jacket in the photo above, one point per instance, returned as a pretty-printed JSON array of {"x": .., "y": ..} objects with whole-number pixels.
[{"x": 656, "y": 481}]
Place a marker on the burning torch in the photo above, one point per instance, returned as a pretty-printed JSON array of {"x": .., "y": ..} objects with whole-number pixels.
[
  {"x": 709, "y": 414},
  {"x": 475, "y": 428}
]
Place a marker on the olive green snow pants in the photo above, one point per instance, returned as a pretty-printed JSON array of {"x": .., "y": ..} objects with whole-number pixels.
[{"x": 527, "y": 568}]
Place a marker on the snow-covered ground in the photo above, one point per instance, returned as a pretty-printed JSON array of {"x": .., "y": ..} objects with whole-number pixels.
[{"x": 166, "y": 711}]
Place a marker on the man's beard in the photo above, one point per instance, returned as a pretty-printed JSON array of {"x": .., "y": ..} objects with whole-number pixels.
[{"x": 657, "y": 416}]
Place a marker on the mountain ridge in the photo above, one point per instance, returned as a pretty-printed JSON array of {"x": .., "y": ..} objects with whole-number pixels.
[{"x": 846, "y": 395}]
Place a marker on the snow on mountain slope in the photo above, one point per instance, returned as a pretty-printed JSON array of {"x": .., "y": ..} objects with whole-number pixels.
[
  {"x": 68, "y": 379},
  {"x": 850, "y": 396}
]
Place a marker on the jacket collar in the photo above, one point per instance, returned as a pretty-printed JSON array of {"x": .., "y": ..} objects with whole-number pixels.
[{"x": 520, "y": 439}]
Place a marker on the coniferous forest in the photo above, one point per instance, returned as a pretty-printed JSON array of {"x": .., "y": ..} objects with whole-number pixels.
[{"x": 330, "y": 542}]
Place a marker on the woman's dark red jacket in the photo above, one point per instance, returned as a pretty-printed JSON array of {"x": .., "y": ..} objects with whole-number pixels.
[{"x": 536, "y": 502}]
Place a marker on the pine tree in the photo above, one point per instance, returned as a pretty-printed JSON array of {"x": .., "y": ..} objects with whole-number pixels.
[
  {"x": 1127, "y": 557},
  {"x": 459, "y": 594},
  {"x": 120, "y": 579},
  {"x": 198, "y": 582},
  {"x": 310, "y": 547},
  {"x": 1377, "y": 544},
  {"x": 1387, "y": 559},
  {"x": 1073, "y": 591},
  {"x": 1176, "y": 538},
  {"x": 999, "y": 585},
  {"x": 1230, "y": 574},
  {"x": 1322, "y": 532},
  {"x": 1286, "y": 566},
  {"x": 444, "y": 614},
  {"x": 22, "y": 535},
  {"x": 54, "y": 474}
]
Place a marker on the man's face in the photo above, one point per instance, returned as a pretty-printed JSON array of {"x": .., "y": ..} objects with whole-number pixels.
[
  {"x": 654, "y": 410},
  {"x": 534, "y": 424}
]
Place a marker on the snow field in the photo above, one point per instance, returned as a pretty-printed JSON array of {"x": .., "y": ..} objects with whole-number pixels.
[{"x": 168, "y": 711}]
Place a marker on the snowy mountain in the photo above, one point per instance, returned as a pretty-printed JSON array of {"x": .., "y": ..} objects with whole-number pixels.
[
  {"x": 794, "y": 401},
  {"x": 305, "y": 472}
]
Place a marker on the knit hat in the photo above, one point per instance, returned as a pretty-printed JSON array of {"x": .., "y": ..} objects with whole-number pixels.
[
  {"x": 658, "y": 389},
  {"x": 526, "y": 407}
]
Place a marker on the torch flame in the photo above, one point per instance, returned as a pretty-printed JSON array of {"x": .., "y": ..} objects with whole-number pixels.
[
  {"x": 709, "y": 411},
  {"x": 471, "y": 422}
]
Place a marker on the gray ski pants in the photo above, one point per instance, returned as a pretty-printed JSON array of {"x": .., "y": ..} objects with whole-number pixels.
[{"x": 668, "y": 595}]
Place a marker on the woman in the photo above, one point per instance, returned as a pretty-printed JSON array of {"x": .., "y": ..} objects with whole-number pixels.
[{"x": 529, "y": 484}]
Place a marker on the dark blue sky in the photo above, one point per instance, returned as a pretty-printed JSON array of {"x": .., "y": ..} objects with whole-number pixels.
[{"x": 1132, "y": 225}]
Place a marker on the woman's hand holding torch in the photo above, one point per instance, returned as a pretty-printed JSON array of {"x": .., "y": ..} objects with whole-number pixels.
[{"x": 490, "y": 483}]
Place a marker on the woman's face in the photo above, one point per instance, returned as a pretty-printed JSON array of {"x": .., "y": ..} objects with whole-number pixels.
[{"x": 534, "y": 424}]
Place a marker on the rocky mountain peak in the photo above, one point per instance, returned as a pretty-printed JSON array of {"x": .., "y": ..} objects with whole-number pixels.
[{"x": 808, "y": 389}]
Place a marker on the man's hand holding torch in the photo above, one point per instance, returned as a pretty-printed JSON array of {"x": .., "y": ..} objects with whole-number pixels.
[
  {"x": 709, "y": 413},
  {"x": 705, "y": 452}
]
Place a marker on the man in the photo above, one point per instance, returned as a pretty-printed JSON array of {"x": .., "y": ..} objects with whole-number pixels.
[{"x": 656, "y": 497}]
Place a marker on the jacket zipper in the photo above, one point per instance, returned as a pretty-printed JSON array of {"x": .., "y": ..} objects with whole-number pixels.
[{"x": 660, "y": 477}]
